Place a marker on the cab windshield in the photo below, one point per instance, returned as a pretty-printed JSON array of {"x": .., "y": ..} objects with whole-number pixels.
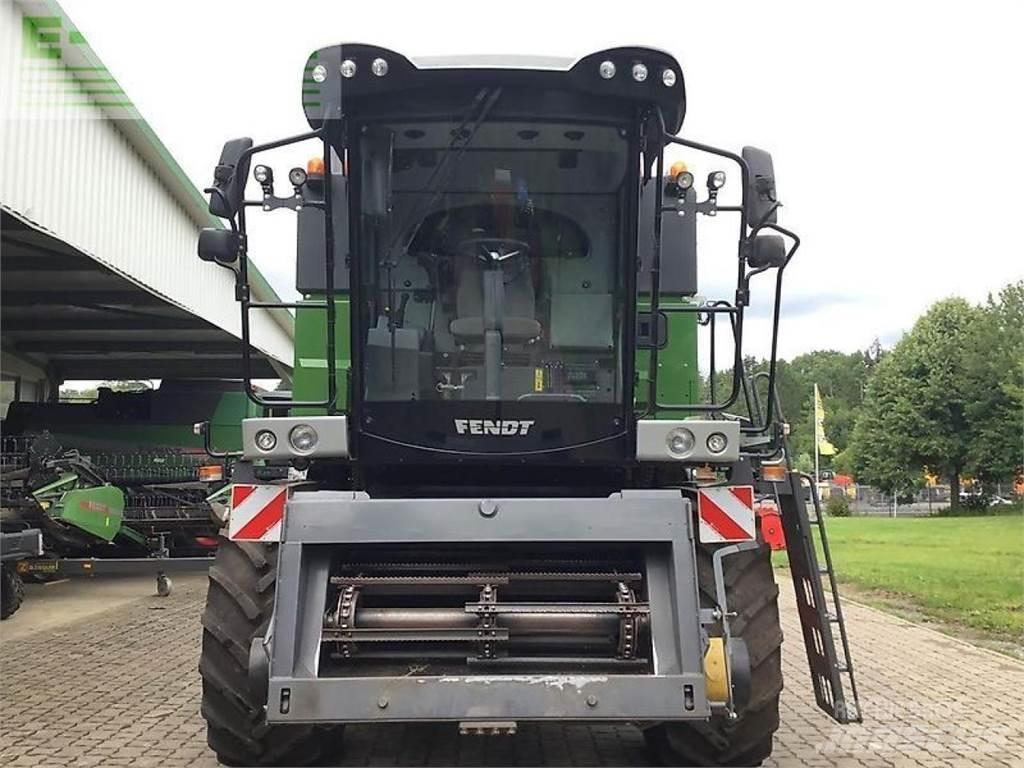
[{"x": 492, "y": 260}]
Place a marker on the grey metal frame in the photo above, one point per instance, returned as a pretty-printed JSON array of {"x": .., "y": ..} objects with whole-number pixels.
[{"x": 658, "y": 520}]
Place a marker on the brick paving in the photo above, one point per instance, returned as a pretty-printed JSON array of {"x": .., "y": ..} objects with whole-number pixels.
[{"x": 120, "y": 688}]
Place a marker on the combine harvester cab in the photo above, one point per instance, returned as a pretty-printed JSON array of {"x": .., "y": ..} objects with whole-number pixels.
[{"x": 510, "y": 500}]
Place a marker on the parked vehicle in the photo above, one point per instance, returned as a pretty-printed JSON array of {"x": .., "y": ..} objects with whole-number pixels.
[{"x": 514, "y": 505}]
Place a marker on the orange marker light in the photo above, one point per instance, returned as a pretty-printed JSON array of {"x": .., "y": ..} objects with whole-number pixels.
[
  {"x": 773, "y": 473},
  {"x": 677, "y": 168},
  {"x": 315, "y": 166}
]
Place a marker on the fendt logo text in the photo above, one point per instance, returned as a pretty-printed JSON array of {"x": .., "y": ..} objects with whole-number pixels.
[{"x": 502, "y": 427}]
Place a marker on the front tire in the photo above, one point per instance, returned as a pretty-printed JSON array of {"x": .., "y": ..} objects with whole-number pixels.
[
  {"x": 752, "y": 593},
  {"x": 239, "y": 603},
  {"x": 12, "y": 591}
]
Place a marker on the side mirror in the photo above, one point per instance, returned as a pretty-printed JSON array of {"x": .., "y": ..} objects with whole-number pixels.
[
  {"x": 378, "y": 149},
  {"x": 766, "y": 251},
  {"x": 220, "y": 246},
  {"x": 761, "y": 198},
  {"x": 229, "y": 177}
]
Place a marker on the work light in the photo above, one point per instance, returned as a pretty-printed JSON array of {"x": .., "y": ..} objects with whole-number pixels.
[
  {"x": 716, "y": 180},
  {"x": 379, "y": 67},
  {"x": 607, "y": 69},
  {"x": 264, "y": 176},
  {"x": 717, "y": 442},
  {"x": 668, "y": 77},
  {"x": 319, "y": 73},
  {"x": 303, "y": 438},
  {"x": 297, "y": 176},
  {"x": 639, "y": 72},
  {"x": 348, "y": 68},
  {"x": 266, "y": 440},
  {"x": 680, "y": 441}
]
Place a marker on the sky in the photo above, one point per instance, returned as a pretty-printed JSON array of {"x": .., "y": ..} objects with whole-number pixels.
[{"x": 895, "y": 127}]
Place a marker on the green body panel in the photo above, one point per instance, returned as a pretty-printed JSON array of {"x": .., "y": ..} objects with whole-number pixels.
[
  {"x": 310, "y": 373},
  {"x": 226, "y": 421},
  {"x": 678, "y": 376},
  {"x": 120, "y": 426},
  {"x": 97, "y": 511}
]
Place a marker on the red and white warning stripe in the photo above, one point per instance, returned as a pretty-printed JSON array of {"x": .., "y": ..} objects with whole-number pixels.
[
  {"x": 257, "y": 512},
  {"x": 726, "y": 513}
]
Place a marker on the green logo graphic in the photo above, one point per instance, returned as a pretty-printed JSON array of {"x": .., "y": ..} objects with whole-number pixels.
[{"x": 60, "y": 70}]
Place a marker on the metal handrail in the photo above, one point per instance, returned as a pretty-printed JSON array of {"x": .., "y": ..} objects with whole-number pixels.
[{"x": 328, "y": 305}]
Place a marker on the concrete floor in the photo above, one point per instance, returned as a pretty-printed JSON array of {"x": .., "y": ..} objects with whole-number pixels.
[{"x": 103, "y": 672}]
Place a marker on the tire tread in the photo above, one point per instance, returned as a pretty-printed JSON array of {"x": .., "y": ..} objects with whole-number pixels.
[
  {"x": 239, "y": 602},
  {"x": 753, "y": 595}
]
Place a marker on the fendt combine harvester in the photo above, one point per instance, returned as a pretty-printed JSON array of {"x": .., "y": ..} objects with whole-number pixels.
[{"x": 519, "y": 502}]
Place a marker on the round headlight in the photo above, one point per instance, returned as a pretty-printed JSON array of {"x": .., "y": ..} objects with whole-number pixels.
[
  {"x": 319, "y": 73},
  {"x": 297, "y": 176},
  {"x": 379, "y": 67},
  {"x": 303, "y": 438},
  {"x": 607, "y": 69},
  {"x": 717, "y": 442},
  {"x": 348, "y": 68},
  {"x": 639, "y": 72},
  {"x": 680, "y": 441},
  {"x": 684, "y": 180},
  {"x": 668, "y": 77},
  {"x": 266, "y": 440}
]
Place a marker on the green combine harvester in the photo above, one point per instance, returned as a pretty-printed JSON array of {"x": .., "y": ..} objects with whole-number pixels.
[{"x": 512, "y": 499}]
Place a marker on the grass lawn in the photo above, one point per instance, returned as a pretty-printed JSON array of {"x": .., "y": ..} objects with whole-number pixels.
[{"x": 967, "y": 570}]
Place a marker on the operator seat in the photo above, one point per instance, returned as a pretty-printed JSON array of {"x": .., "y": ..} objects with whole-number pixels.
[{"x": 516, "y": 320}]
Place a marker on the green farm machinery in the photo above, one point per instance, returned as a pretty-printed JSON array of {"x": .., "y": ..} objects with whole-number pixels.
[
  {"x": 513, "y": 496},
  {"x": 123, "y": 480}
]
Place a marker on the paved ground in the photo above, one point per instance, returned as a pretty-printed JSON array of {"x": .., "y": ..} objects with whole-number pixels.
[{"x": 104, "y": 673}]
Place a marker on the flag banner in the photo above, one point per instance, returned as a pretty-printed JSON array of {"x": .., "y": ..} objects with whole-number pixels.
[{"x": 825, "y": 448}]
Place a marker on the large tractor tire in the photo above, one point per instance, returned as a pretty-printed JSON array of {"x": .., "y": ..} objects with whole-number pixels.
[
  {"x": 12, "y": 590},
  {"x": 753, "y": 595},
  {"x": 239, "y": 602}
]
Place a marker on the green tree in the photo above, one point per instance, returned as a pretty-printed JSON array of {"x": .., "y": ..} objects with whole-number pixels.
[
  {"x": 916, "y": 409},
  {"x": 995, "y": 373},
  {"x": 841, "y": 377}
]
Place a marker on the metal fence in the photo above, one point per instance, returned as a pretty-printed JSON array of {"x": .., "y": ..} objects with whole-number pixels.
[{"x": 868, "y": 501}]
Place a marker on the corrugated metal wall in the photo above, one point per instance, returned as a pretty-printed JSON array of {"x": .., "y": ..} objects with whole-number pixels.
[{"x": 66, "y": 166}]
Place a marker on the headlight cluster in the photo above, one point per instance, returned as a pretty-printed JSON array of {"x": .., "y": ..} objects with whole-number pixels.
[
  {"x": 607, "y": 70},
  {"x": 681, "y": 442},
  {"x": 302, "y": 438},
  {"x": 279, "y": 438},
  {"x": 348, "y": 68}
]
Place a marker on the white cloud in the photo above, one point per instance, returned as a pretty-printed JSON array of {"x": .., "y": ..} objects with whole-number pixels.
[{"x": 895, "y": 127}]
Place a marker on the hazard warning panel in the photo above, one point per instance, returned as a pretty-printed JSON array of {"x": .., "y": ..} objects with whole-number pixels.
[
  {"x": 256, "y": 512},
  {"x": 726, "y": 513}
]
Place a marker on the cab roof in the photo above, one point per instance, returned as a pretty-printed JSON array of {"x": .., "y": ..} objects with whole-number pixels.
[{"x": 326, "y": 92}]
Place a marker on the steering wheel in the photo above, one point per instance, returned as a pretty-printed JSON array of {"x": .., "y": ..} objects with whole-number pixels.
[{"x": 492, "y": 250}]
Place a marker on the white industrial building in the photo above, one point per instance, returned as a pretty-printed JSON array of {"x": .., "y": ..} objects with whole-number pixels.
[{"x": 100, "y": 278}]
